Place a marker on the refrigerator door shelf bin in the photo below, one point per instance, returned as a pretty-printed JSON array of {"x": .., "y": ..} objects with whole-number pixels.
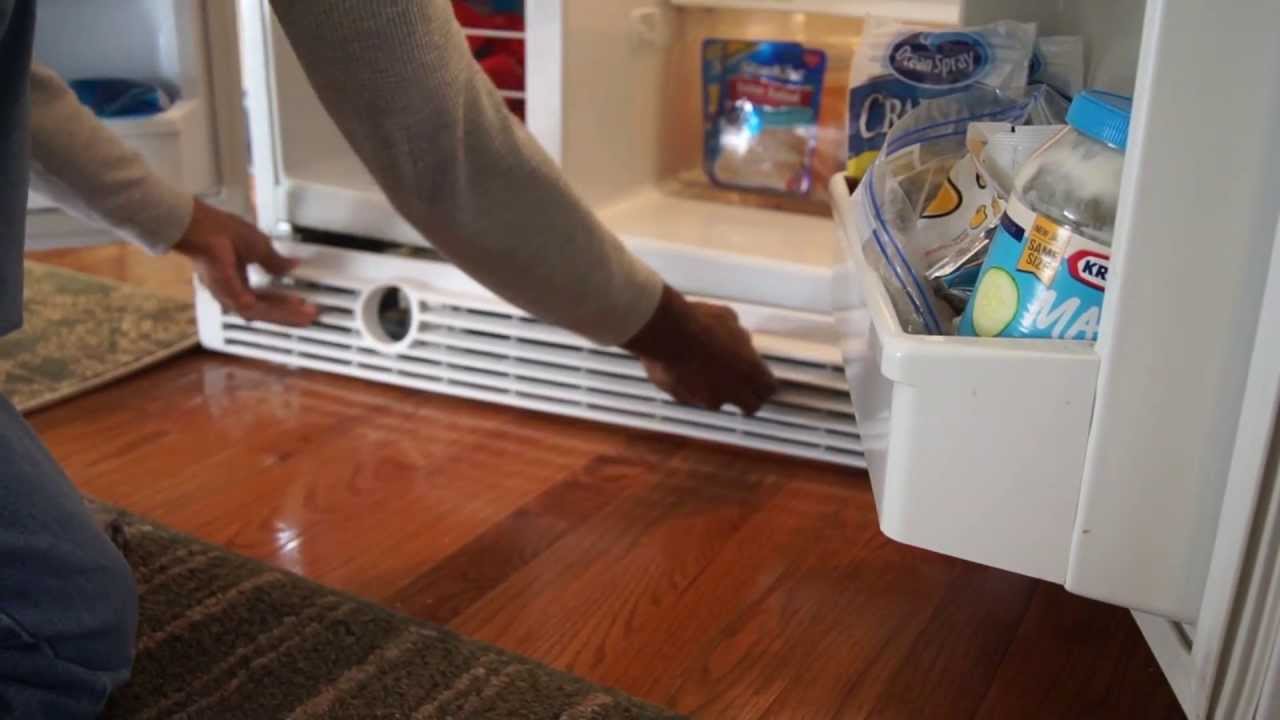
[{"x": 975, "y": 446}]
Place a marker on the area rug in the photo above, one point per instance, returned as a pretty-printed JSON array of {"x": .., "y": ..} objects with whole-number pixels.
[
  {"x": 81, "y": 332},
  {"x": 222, "y": 636}
]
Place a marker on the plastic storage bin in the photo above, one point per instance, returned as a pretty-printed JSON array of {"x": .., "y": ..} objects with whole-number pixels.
[
  {"x": 975, "y": 446},
  {"x": 175, "y": 143}
]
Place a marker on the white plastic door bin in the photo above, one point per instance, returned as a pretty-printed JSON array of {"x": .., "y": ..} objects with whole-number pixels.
[{"x": 975, "y": 446}]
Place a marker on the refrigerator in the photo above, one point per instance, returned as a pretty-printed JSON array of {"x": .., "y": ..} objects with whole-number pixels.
[{"x": 1139, "y": 470}]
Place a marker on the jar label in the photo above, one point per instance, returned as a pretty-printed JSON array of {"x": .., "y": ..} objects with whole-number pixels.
[
  {"x": 1039, "y": 280},
  {"x": 1042, "y": 252}
]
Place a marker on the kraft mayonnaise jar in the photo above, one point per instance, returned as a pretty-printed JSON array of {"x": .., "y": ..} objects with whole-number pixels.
[{"x": 1046, "y": 270}]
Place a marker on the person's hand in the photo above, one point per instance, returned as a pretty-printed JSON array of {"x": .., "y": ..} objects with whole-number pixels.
[
  {"x": 221, "y": 247},
  {"x": 701, "y": 355}
]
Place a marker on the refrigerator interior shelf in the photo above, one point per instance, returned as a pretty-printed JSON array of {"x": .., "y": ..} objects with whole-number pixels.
[{"x": 929, "y": 11}]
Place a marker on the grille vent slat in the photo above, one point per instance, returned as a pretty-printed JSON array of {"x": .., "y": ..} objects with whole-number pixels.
[{"x": 496, "y": 356}]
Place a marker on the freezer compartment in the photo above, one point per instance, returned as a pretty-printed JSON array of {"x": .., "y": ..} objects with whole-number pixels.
[{"x": 975, "y": 446}]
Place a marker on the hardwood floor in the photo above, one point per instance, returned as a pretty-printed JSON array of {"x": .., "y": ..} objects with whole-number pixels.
[{"x": 718, "y": 582}]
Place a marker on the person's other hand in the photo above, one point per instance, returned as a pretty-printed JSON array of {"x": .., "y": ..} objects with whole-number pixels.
[
  {"x": 221, "y": 247},
  {"x": 701, "y": 355}
]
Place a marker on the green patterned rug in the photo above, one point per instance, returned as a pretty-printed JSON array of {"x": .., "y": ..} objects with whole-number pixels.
[{"x": 81, "y": 332}]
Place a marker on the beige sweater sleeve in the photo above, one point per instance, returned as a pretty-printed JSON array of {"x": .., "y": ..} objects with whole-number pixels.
[
  {"x": 81, "y": 165},
  {"x": 399, "y": 80}
]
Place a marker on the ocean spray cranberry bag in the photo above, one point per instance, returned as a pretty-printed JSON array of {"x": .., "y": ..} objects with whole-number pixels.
[{"x": 899, "y": 65}]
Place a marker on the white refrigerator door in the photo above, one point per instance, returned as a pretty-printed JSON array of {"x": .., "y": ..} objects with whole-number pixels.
[
  {"x": 1236, "y": 637},
  {"x": 1193, "y": 238}
]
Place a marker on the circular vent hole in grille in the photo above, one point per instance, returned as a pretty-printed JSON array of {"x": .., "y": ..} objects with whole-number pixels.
[
  {"x": 387, "y": 316},
  {"x": 395, "y": 314}
]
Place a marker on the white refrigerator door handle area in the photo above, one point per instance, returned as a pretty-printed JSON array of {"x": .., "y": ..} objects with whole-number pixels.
[{"x": 1193, "y": 236}]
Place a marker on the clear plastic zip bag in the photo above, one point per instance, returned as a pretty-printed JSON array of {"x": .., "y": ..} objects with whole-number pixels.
[
  {"x": 917, "y": 157},
  {"x": 959, "y": 223}
]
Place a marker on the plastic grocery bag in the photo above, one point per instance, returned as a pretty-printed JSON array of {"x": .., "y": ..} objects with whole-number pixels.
[{"x": 1058, "y": 62}]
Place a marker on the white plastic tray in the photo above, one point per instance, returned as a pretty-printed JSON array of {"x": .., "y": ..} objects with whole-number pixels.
[
  {"x": 177, "y": 144},
  {"x": 975, "y": 446}
]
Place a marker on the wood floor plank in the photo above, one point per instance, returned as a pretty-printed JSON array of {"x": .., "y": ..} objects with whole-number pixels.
[
  {"x": 742, "y": 669},
  {"x": 749, "y": 564},
  {"x": 960, "y": 649},
  {"x": 194, "y": 448},
  {"x": 437, "y": 509},
  {"x": 629, "y": 560},
  {"x": 411, "y": 483},
  {"x": 88, "y": 427},
  {"x": 478, "y": 568},
  {"x": 886, "y": 597},
  {"x": 1072, "y": 659},
  {"x": 190, "y": 408}
]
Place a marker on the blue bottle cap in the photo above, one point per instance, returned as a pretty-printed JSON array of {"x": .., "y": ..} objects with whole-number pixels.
[{"x": 1102, "y": 116}]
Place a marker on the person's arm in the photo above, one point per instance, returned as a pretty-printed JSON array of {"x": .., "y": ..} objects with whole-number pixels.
[
  {"x": 398, "y": 79},
  {"x": 82, "y": 166}
]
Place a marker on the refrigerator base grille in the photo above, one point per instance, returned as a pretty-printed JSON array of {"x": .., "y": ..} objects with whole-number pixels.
[{"x": 482, "y": 351}]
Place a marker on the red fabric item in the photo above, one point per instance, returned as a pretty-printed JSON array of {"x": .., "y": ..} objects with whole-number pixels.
[
  {"x": 508, "y": 21},
  {"x": 472, "y": 17},
  {"x": 469, "y": 16},
  {"x": 511, "y": 48},
  {"x": 505, "y": 71}
]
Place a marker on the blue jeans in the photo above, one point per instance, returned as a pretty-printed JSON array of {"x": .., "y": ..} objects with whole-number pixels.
[{"x": 68, "y": 605}]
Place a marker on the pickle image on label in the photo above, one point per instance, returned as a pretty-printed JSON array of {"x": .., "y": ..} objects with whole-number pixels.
[{"x": 995, "y": 302}]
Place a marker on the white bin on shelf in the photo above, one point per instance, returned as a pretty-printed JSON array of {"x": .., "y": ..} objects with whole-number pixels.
[
  {"x": 177, "y": 144},
  {"x": 975, "y": 446}
]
